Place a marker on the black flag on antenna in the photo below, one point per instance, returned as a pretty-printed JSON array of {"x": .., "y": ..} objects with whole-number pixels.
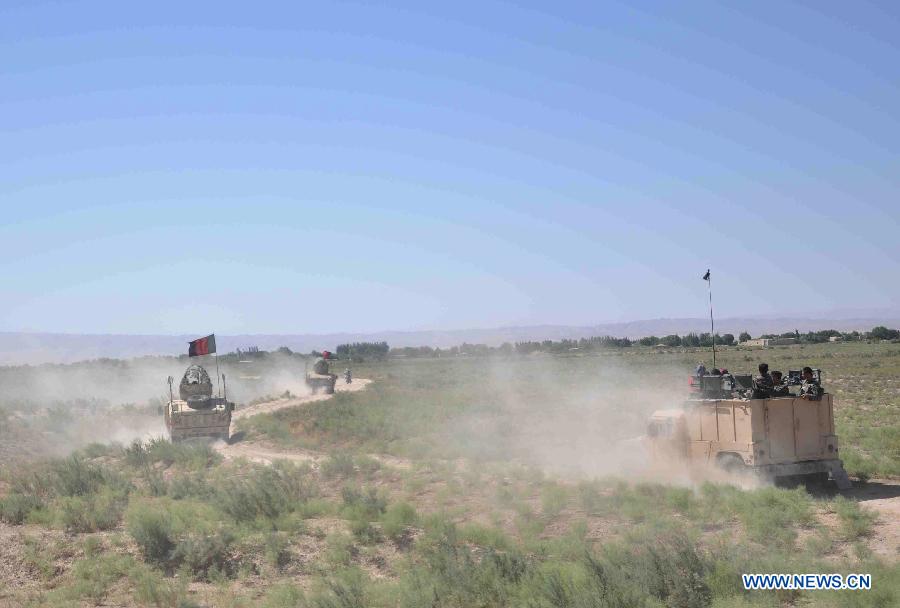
[{"x": 706, "y": 276}]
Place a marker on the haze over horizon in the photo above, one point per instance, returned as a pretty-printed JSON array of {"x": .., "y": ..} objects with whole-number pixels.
[{"x": 343, "y": 167}]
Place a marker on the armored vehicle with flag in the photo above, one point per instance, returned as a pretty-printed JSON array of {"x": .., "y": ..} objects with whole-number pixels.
[
  {"x": 197, "y": 413},
  {"x": 727, "y": 423}
]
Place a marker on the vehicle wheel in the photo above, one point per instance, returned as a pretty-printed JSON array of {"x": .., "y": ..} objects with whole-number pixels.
[
  {"x": 817, "y": 480},
  {"x": 789, "y": 481},
  {"x": 730, "y": 463}
]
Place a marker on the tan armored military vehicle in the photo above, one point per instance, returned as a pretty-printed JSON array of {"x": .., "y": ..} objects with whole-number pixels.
[
  {"x": 321, "y": 376},
  {"x": 773, "y": 437},
  {"x": 197, "y": 413}
]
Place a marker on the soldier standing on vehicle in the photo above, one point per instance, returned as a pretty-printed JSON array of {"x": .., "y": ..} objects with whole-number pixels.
[
  {"x": 810, "y": 388},
  {"x": 763, "y": 382},
  {"x": 779, "y": 389},
  {"x": 701, "y": 369}
]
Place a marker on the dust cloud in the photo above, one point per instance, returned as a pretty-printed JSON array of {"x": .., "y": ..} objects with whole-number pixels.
[
  {"x": 572, "y": 416},
  {"x": 580, "y": 416},
  {"x": 52, "y": 409},
  {"x": 593, "y": 413}
]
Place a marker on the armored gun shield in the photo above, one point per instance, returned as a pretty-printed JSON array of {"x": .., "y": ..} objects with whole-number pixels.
[{"x": 195, "y": 387}]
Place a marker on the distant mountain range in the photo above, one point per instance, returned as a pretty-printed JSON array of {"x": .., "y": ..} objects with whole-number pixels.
[{"x": 34, "y": 348}]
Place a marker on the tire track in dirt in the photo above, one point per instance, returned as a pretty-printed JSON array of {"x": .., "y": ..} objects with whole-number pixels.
[
  {"x": 881, "y": 496},
  {"x": 268, "y": 407},
  {"x": 263, "y": 454}
]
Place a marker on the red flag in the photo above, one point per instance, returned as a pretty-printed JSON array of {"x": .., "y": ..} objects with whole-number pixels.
[{"x": 202, "y": 346}]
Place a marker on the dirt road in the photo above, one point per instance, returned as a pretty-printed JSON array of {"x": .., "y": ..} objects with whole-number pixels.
[
  {"x": 268, "y": 407},
  {"x": 264, "y": 454}
]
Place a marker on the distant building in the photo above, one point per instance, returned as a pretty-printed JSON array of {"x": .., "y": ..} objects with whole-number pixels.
[
  {"x": 770, "y": 342},
  {"x": 835, "y": 339}
]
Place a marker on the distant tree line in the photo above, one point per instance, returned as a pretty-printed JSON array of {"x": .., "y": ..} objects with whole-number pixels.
[
  {"x": 691, "y": 339},
  {"x": 608, "y": 342},
  {"x": 815, "y": 337},
  {"x": 360, "y": 351}
]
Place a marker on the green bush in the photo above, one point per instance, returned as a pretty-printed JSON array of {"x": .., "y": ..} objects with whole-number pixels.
[
  {"x": 75, "y": 477},
  {"x": 268, "y": 492},
  {"x": 152, "y": 530},
  {"x": 855, "y": 522},
  {"x": 553, "y": 499},
  {"x": 102, "y": 511},
  {"x": 93, "y": 577},
  {"x": 188, "y": 455},
  {"x": 39, "y": 558},
  {"x": 204, "y": 554},
  {"x": 151, "y": 588},
  {"x": 590, "y": 498},
  {"x": 190, "y": 485},
  {"x": 276, "y": 550},
  {"x": 154, "y": 481},
  {"x": 589, "y": 582},
  {"x": 452, "y": 575},
  {"x": 283, "y": 596},
  {"x": 857, "y": 464},
  {"x": 367, "y": 504},
  {"x": 71, "y": 492},
  {"x": 71, "y": 476},
  {"x": 15, "y": 507},
  {"x": 367, "y": 465},
  {"x": 346, "y": 589},
  {"x": 338, "y": 466},
  {"x": 362, "y": 508},
  {"x": 339, "y": 549},
  {"x": 770, "y": 514},
  {"x": 397, "y": 518},
  {"x": 96, "y": 450},
  {"x": 363, "y": 531},
  {"x": 484, "y": 536}
]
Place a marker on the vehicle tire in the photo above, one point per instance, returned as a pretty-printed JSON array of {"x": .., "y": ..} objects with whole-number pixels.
[
  {"x": 730, "y": 463},
  {"x": 817, "y": 480}
]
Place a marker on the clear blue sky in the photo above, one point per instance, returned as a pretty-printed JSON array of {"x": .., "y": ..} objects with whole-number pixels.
[{"x": 300, "y": 167}]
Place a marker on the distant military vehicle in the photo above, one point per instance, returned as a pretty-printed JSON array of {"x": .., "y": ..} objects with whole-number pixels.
[
  {"x": 775, "y": 437},
  {"x": 321, "y": 376},
  {"x": 197, "y": 413}
]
